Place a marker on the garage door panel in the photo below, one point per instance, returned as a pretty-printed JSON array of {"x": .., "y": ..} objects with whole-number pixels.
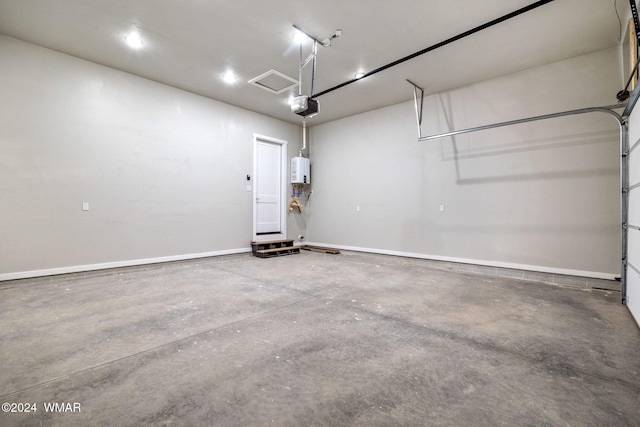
[
  {"x": 634, "y": 167},
  {"x": 634, "y": 207}
]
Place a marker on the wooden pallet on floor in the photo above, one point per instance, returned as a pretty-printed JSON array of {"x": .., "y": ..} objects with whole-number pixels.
[
  {"x": 320, "y": 249},
  {"x": 273, "y": 248}
]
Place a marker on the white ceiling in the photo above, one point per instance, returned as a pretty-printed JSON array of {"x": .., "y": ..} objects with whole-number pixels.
[{"x": 191, "y": 44}]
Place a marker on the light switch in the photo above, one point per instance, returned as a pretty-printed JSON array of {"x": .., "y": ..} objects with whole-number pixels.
[
  {"x": 441, "y": 208},
  {"x": 248, "y": 188},
  {"x": 85, "y": 206}
]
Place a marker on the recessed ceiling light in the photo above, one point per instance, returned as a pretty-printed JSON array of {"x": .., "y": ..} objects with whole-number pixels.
[
  {"x": 299, "y": 37},
  {"x": 134, "y": 41},
  {"x": 229, "y": 77}
]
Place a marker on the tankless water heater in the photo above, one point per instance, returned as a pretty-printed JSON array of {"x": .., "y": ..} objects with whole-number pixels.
[{"x": 300, "y": 170}]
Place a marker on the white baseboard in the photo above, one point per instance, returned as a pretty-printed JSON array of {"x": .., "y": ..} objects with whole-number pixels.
[
  {"x": 525, "y": 267},
  {"x": 116, "y": 264},
  {"x": 136, "y": 262}
]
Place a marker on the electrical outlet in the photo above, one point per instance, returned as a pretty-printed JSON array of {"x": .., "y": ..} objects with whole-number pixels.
[
  {"x": 85, "y": 206},
  {"x": 441, "y": 208},
  {"x": 357, "y": 208}
]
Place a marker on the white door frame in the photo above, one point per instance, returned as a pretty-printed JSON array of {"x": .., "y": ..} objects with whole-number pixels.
[{"x": 283, "y": 187}]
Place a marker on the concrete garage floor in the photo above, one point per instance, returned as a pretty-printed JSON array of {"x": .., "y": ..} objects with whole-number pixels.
[{"x": 315, "y": 340}]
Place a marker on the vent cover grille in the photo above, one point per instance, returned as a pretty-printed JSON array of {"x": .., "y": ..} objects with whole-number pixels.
[{"x": 274, "y": 81}]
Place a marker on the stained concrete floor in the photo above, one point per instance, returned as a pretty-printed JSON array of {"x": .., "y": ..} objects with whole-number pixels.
[{"x": 315, "y": 340}]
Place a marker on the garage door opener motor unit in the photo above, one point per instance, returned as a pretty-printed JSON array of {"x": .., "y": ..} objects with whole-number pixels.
[{"x": 303, "y": 105}]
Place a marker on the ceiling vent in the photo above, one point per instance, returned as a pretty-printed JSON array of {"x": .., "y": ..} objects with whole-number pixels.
[{"x": 274, "y": 81}]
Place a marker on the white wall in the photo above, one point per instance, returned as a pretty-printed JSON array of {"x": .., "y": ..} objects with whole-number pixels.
[
  {"x": 164, "y": 170},
  {"x": 541, "y": 196},
  {"x": 633, "y": 258}
]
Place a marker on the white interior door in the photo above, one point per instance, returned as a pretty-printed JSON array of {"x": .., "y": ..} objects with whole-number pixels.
[{"x": 269, "y": 188}]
